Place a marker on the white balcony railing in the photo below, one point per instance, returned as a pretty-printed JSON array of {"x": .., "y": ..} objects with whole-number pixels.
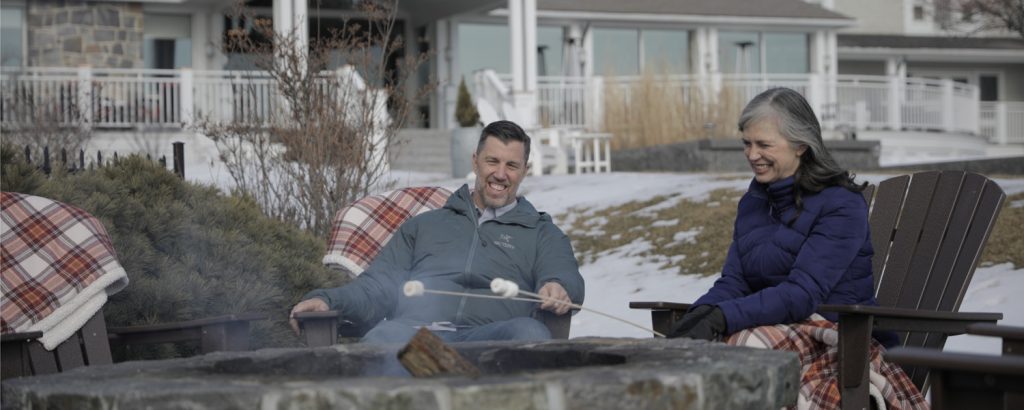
[
  {"x": 1002, "y": 121},
  {"x": 131, "y": 98}
]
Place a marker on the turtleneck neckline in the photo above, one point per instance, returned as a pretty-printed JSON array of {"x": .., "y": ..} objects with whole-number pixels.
[{"x": 780, "y": 193}]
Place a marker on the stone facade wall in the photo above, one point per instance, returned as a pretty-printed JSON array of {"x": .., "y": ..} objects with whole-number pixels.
[{"x": 71, "y": 33}]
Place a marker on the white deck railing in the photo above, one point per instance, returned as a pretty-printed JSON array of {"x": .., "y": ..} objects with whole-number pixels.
[
  {"x": 129, "y": 98},
  {"x": 1002, "y": 121},
  {"x": 851, "y": 102}
]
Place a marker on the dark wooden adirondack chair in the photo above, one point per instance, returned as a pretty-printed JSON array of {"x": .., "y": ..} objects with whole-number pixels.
[
  {"x": 360, "y": 231},
  {"x": 23, "y": 355},
  {"x": 39, "y": 231},
  {"x": 972, "y": 381},
  {"x": 928, "y": 231}
]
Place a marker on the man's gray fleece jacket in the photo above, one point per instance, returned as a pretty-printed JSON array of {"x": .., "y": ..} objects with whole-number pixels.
[{"x": 446, "y": 250}]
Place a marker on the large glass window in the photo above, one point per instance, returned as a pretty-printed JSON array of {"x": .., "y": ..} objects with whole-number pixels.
[
  {"x": 616, "y": 51},
  {"x": 786, "y": 53},
  {"x": 666, "y": 51},
  {"x": 550, "y": 58},
  {"x": 739, "y": 52},
  {"x": 483, "y": 46},
  {"x": 167, "y": 41},
  {"x": 12, "y": 25}
]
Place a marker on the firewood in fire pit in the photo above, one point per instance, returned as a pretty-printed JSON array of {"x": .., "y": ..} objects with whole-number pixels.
[{"x": 426, "y": 355}]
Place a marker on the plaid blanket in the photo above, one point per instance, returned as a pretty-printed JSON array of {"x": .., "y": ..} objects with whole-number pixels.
[
  {"x": 360, "y": 230},
  {"x": 816, "y": 340},
  {"x": 59, "y": 266}
]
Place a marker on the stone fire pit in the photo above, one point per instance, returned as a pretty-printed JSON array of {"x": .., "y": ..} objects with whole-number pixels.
[{"x": 591, "y": 373}]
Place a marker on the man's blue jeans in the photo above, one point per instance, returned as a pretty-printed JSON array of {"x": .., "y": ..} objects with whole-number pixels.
[{"x": 522, "y": 328}]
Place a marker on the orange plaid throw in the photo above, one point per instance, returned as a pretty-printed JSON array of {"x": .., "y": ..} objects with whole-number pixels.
[
  {"x": 59, "y": 266},
  {"x": 815, "y": 340},
  {"x": 360, "y": 230}
]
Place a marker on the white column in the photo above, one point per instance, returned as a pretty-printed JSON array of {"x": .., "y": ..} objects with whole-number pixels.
[
  {"x": 282, "y": 17},
  {"x": 818, "y": 53},
  {"x": 516, "y": 56},
  {"x": 187, "y": 96},
  {"x": 712, "y": 61},
  {"x": 530, "y": 43},
  {"x": 698, "y": 52},
  {"x": 588, "y": 53},
  {"x": 216, "y": 42},
  {"x": 445, "y": 68},
  {"x": 85, "y": 96},
  {"x": 300, "y": 23},
  {"x": 948, "y": 116},
  {"x": 200, "y": 43},
  {"x": 1002, "y": 136},
  {"x": 572, "y": 50}
]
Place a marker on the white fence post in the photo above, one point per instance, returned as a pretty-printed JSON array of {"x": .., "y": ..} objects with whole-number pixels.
[
  {"x": 85, "y": 96},
  {"x": 187, "y": 87},
  {"x": 595, "y": 85},
  {"x": 895, "y": 106},
  {"x": 1002, "y": 134},
  {"x": 815, "y": 95},
  {"x": 948, "y": 113}
]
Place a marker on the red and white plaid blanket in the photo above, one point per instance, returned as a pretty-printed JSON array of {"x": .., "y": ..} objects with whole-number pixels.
[
  {"x": 816, "y": 341},
  {"x": 59, "y": 266},
  {"x": 360, "y": 230}
]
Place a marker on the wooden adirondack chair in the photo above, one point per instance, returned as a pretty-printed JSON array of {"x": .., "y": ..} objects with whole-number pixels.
[
  {"x": 360, "y": 231},
  {"x": 52, "y": 249},
  {"x": 928, "y": 230},
  {"x": 972, "y": 381}
]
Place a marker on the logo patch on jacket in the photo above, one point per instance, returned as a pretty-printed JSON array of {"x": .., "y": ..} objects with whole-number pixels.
[{"x": 505, "y": 241}]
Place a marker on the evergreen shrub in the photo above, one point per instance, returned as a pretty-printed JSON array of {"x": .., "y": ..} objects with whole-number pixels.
[{"x": 190, "y": 251}]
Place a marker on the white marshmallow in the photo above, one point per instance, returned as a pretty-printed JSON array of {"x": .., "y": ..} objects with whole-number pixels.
[
  {"x": 413, "y": 288},
  {"x": 505, "y": 288}
]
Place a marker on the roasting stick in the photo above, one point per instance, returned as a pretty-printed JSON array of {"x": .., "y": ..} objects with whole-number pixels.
[{"x": 510, "y": 290}]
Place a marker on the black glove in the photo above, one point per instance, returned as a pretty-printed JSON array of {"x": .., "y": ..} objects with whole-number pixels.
[{"x": 705, "y": 322}]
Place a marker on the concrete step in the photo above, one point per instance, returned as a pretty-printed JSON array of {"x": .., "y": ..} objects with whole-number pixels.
[{"x": 425, "y": 150}]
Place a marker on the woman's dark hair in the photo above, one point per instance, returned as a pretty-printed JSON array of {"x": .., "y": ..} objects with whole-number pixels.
[
  {"x": 505, "y": 131},
  {"x": 797, "y": 123}
]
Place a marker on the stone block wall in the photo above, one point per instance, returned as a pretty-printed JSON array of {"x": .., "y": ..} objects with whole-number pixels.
[{"x": 71, "y": 33}]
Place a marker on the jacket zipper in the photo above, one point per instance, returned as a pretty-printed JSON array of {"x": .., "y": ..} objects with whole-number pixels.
[{"x": 469, "y": 258}]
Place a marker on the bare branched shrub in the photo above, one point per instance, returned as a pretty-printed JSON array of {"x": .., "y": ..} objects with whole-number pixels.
[
  {"x": 305, "y": 141},
  {"x": 660, "y": 109},
  {"x": 43, "y": 117}
]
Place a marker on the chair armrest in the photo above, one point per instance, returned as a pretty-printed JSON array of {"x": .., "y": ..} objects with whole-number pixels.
[
  {"x": 913, "y": 320},
  {"x": 1003, "y": 331},
  {"x": 1013, "y": 336},
  {"x": 321, "y": 328},
  {"x": 20, "y": 336},
  {"x": 225, "y": 332},
  {"x": 659, "y": 306},
  {"x": 976, "y": 363},
  {"x": 663, "y": 314}
]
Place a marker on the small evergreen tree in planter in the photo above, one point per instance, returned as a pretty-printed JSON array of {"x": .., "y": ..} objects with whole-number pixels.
[{"x": 464, "y": 139}]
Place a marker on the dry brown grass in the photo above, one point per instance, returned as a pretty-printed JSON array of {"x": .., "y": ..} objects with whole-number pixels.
[
  {"x": 710, "y": 222},
  {"x": 657, "y": 109},
  {"x": 597, "y": 231},
  {"x": 1006, "y": 243}
]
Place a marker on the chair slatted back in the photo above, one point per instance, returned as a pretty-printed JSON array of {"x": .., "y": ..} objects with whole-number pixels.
[
  {"x": 928, "y": 232},
  {"x": 87, "y": 347}
]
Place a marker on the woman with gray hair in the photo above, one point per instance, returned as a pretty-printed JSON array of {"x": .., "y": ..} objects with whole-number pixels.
[{"x": 800, "y": 240}]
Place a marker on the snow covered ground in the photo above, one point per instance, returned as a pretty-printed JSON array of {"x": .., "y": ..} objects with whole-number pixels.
[{"x": 619, "y": 276}]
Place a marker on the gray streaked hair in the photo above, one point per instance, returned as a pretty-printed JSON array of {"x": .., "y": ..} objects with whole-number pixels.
[{"x": 799, "y": 126}]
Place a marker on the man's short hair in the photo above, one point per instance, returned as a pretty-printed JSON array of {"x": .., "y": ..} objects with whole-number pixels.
[{"x": 505, "y": 131}]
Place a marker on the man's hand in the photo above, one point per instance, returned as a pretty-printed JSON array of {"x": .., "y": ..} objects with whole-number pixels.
[
  {"x": 553, "y": 290},
  {"x": 308, "y": 305}
]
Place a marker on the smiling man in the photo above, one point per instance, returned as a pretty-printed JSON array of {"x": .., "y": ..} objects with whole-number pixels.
[{"x": 477, "y": 236}]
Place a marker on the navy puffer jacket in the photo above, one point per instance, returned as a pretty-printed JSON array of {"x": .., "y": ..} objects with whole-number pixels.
[{"x": 783, "y": 263}]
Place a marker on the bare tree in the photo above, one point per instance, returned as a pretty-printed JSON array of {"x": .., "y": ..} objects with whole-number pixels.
[
  {"x": 974, "y": 16},
  {"x": 305, "y": 141},
  {"x": 38, "y": 117}
]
